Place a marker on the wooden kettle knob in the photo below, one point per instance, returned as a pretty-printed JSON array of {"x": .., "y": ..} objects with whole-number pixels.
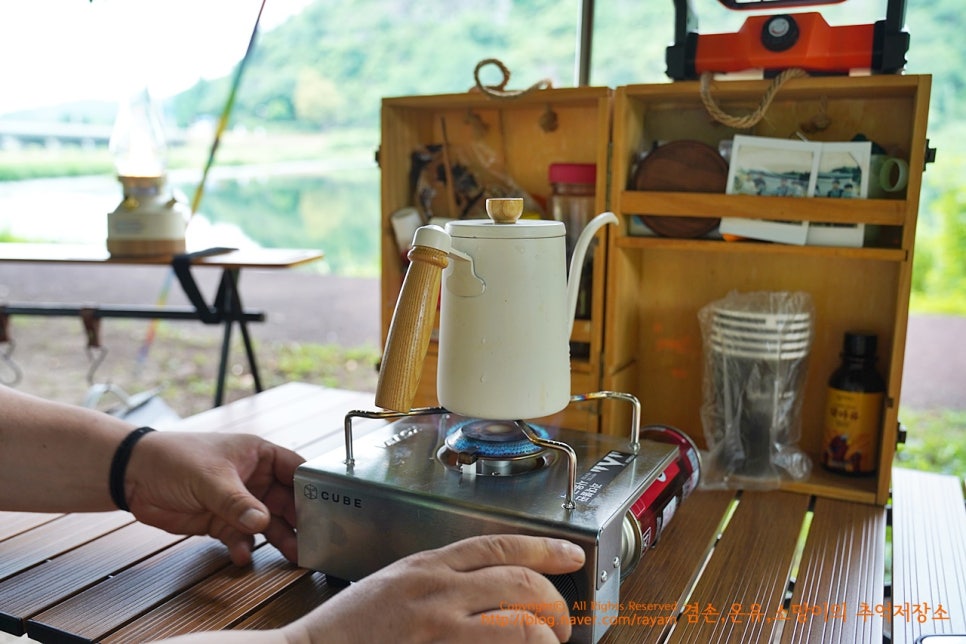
[
  {"x": 504, "y": 210},
  {"x": 411, "y": 327}
]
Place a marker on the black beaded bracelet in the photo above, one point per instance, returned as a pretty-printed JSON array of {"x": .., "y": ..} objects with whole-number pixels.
[{"x": 119, "y": 466}]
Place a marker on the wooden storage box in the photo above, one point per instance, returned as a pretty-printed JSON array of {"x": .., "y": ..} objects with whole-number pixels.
[
  {"x": 515, "y": 131},
  {"x": 656, "y": 286}
]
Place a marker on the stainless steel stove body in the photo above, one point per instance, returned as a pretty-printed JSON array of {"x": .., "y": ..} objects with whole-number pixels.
[{"x": 414, "y": 485}]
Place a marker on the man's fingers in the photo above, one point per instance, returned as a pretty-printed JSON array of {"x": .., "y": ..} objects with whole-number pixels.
[
  {"x": 512, "y": 597},
  {"x": 517, "y": 626},
  {"x": 510, "y": 592},
  {"x": 229, "y": 500},
  {"x": 543, "y": 554},
  {"x": 239, "y": 546},
  {"x": 281, "y": 535}
]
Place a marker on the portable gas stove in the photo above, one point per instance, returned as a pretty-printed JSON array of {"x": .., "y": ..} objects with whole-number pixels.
[{"x": 431, "y": 477}]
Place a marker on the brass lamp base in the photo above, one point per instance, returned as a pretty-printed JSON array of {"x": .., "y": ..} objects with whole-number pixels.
[
  {"x": 144, "y": 247},
  {"x": 149, "y": 222}
]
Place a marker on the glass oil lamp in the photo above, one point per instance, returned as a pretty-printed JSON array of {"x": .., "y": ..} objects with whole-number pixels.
[{"x": 150, "y": 220}]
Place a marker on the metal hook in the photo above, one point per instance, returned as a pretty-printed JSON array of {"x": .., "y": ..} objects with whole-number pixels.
[
  {"x": 95, "y": 352},
  {"x": 12, "y": 375},
  {"x": 96, "y": 356}
]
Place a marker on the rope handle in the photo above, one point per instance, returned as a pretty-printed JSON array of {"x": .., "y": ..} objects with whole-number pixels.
[
  {"x": 750, "y": 120},
  {"x": 500, "y": 90},
  {"x": 548, "y": 120}
]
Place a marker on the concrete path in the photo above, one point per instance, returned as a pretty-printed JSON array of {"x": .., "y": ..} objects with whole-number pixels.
[
  {"x": 934, "y": 375},
  {"x": 300, "y": 305}
]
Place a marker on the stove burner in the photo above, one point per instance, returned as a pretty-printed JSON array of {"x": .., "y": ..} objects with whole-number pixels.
[
  {"x": 495, "y": 448},
  {"x": 492, "y": 438}
]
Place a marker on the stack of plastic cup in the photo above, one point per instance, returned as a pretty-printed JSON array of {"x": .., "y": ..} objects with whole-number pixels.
[{"x": 759, "y": 364}]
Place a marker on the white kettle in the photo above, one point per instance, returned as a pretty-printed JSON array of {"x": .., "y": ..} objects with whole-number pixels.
[{"x": 506, "y": 315}]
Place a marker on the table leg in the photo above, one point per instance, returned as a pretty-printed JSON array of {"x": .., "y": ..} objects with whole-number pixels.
[
  {"x": 223, "y": 363},
  {"x": 232, "y": 310},
  {"x": 226, "y": 309}
]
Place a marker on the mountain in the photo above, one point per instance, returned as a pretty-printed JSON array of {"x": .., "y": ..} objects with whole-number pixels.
[{"x": 330, "y": 65}]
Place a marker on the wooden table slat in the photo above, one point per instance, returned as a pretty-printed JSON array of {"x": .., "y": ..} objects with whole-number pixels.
[
  {"x": 928, "y": 526},
  {"x": 748, "y": 570},
  {"x": 42, "y": 586},
  {"x": 259, "y": 258},
  {"x": 13, "y": 523},
  {"x": 221, "y": 601},
  {"x": 52, "y": 538},
  {"x": 298, "y": 599},
  {"x": 101, "y": 577},
  {"x": 666, "y": 572},
  {"x": 295, "y": 416},
  {"x": 842, "y": 567},
  {"x": 228, "y": 417},
  {"x": 93, "y": 613},
  {"x": 291, "y": 418},
  {"x": 262, "y": 258},
  {"x": 293, "y": 427}
]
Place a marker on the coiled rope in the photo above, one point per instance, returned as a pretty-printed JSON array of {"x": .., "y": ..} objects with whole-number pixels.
[
  {"x": 749, "y": 120},
  {"x": 500, "y": 91}
]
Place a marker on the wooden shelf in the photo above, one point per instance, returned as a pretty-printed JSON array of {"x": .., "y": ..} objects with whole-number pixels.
[
  {"x": 657, "y": 286},
  {"x": 516, "y": 134},
  {"x": 765, "y": 248},
  {"x": 884, "y": 212},
  {"x": 829, "y": 484}
]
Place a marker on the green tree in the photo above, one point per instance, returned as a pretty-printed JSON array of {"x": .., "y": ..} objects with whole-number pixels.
[
  {"x": 941, "y": 270},
  {"x": 317, "y": 98}
]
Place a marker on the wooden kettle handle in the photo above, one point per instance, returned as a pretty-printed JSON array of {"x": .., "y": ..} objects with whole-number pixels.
[{"x": 410, "y": 329}]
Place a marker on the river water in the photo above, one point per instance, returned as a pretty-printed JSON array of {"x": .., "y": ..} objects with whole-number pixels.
[{"x": 297, "y": 205}]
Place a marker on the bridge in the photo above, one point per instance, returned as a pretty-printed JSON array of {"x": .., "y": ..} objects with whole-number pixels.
[{"x": 15, "y": 133}]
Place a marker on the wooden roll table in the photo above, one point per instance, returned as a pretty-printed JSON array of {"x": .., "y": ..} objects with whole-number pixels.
[{"x": 731, "y": 566}]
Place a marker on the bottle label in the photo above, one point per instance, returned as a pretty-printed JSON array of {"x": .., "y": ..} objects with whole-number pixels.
[{"x": 852, "y": 426}]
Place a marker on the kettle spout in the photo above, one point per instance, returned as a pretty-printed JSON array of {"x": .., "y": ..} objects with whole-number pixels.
[{"x": 577, "y": 260}]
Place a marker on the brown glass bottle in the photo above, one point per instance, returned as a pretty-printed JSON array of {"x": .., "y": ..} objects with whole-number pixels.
[{"x": 853, "y": 411}]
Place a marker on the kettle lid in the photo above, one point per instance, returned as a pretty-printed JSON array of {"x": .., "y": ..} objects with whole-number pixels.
[{"x": 522, "y": 229}]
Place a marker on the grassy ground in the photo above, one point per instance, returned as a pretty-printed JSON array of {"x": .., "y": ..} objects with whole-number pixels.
[
  {"x": 938, "y": 442},
  {"x": 182, "y": 361}
]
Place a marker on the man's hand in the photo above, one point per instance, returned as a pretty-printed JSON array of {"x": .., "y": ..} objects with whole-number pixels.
[
  {"x": 228, "y": 486},
  {"x": 459, "y": 593}
]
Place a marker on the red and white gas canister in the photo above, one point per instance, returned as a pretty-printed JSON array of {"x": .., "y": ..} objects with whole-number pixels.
[{"x": 654, "y": 509}]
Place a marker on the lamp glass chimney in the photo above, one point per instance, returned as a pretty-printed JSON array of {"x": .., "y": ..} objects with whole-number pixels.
[{"x": 137, "y": 141}]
